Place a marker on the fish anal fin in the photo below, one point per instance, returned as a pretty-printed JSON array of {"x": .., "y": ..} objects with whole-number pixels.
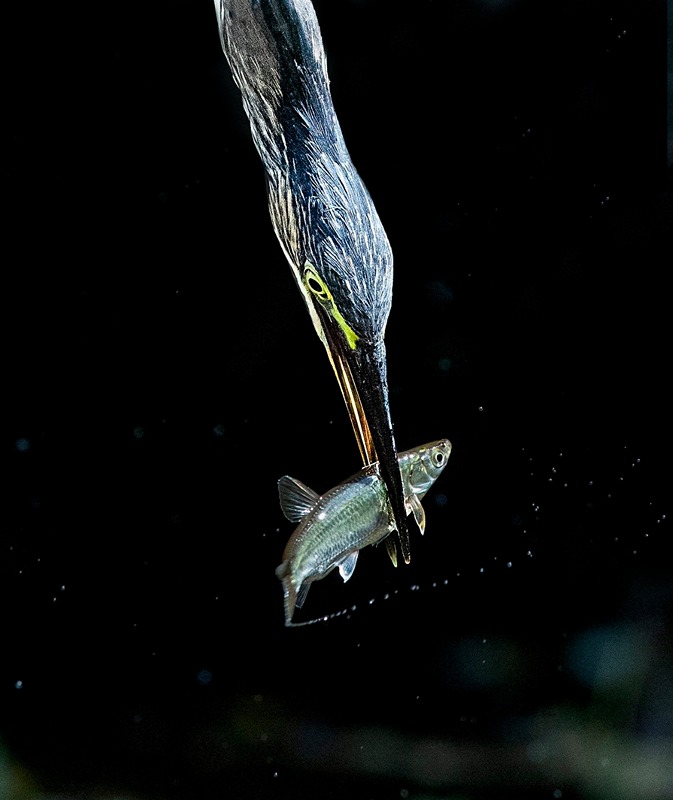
[
  {"x": 347, "y": 565},
  {"x": 301, "y": 594},
  {"x": 296, "y": 499},
  {"x": 415, "y": 507}
]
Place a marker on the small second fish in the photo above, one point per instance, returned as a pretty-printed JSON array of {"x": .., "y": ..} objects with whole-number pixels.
[{"x": 335, "y": 526}]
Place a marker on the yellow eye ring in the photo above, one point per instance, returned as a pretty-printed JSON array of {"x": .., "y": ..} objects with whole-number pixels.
[{"x": 316, "y": 286}]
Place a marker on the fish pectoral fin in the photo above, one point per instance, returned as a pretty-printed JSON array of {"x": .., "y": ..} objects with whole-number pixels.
[
  {"x": 347, "y": 565},
  {"x": 391, "y": 549},
  {"x": 301, "y": 594},
  {"x": 296, "y": 499},
  {"x": 414, "y": 506}
]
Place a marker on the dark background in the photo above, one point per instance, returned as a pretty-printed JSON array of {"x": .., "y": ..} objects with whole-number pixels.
[{"x": 160, "y": 373}]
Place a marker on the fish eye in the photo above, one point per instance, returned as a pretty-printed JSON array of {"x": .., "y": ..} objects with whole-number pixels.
[{"x": 438, "y": 458}]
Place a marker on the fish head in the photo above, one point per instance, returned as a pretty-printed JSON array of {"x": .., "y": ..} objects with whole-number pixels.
[{"x": 427, "y": 464}]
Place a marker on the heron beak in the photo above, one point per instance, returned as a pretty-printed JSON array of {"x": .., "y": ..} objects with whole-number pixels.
[{"x": 362, "y": 375}]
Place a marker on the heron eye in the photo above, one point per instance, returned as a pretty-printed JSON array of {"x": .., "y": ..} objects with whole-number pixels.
[{"x": 315, "y": 284}]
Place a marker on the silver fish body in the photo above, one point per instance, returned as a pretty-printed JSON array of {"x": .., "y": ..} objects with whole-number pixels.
[{"x": 335, "y": 526}]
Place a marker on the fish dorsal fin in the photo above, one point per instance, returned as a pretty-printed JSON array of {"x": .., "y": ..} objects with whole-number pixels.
[
  {"x": 301, "y": 595},
  {"x": 414, "y": 505},
  {"x": 347, "y": 565},
  {"x": 296, "y": 499}
]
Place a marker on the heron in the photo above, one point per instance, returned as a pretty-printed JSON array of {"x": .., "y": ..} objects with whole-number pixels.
[{"x": 321, "y": 212}]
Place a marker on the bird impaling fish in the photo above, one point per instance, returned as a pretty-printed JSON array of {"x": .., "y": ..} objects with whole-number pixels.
[
  {"x": 322, "y": 213},
  {"x": 334, "y": 527}
]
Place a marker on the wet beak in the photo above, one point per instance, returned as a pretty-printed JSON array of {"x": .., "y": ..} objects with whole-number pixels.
[{"x": 362, "y": 376}]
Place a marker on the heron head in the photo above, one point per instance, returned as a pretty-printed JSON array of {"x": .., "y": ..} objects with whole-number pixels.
[{"x": 356, "y": 349}]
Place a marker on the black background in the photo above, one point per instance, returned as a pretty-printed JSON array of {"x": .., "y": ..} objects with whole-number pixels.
[{"x": 160, "y": 373}]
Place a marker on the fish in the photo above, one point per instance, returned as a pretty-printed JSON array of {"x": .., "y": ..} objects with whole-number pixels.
[{"x": 356, "y": 513}]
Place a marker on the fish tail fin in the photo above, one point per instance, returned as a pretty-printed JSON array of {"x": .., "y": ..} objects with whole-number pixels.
[
  {"x": 289, "y": 597},
  {"x": 292, "y": 598}
]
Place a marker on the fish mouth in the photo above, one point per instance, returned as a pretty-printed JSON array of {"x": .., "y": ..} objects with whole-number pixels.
[{"x": 362, "y": 375}]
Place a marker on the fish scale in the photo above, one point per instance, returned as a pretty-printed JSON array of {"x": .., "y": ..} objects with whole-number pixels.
[{"x": 359, "y": 508}]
